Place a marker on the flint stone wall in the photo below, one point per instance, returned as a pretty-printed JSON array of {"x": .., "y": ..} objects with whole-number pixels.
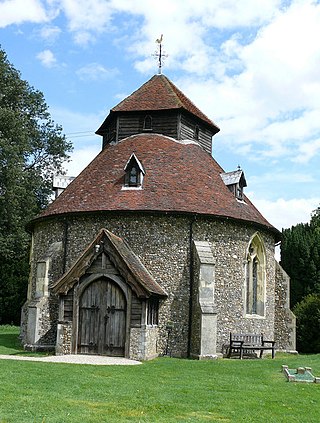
[
  {"x": 162, "y": 242},
  {"x": 143, "y": 343},
  {"x": 285, "y": 320},
  {"x": 64, "y": 338},
  {"x": 229, "y": 243}
]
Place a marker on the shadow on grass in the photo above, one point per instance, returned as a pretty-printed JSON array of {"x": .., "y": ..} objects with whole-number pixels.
[{"x": 10, "y": 343}]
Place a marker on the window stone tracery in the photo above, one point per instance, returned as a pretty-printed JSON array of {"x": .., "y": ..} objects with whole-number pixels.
[{"x": 255, "y": 278}]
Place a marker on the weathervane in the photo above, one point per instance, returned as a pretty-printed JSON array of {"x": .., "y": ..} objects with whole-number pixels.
[{"x": 160, "y": 55}]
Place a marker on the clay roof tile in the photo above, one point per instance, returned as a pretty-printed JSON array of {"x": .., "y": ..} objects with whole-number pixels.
[
  {"x": 159, "y": 93},
  {"x": 180, "y": 177}
]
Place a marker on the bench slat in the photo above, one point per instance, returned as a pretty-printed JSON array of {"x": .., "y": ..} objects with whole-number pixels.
[{"x": 241, "y": 342}]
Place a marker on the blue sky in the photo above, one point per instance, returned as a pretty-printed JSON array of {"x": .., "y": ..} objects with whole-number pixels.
[{"x": 251, "y": 66}]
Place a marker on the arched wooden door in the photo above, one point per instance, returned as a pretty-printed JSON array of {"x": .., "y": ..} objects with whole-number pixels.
[{"x": 102, "y": 319}]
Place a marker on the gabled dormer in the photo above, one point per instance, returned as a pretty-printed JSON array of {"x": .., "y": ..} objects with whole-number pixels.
[
  {"x": 235, "y": 181},
  {"x": 158, "y": 106},
  {"x": 134, "y": 173}
]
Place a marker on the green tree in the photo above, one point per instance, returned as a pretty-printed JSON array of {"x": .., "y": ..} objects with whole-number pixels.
[
  {"x": 32, "y": 150},
  {"x": 315, "y": 219},
  {"x": 307, "y": 312},
  {"x": 300, "y": 258}
]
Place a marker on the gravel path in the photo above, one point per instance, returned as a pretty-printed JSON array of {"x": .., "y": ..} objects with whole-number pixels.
[{"x": 96, "y": 360}]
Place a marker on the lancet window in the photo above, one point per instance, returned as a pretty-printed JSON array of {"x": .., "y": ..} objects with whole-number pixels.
[
  {"x": 147, "y": 123},
  {"x": 255, "y": 277}
]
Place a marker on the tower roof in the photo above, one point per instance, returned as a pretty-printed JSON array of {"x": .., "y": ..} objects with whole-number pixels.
[
  {"x": 159, "y": 93},
  {"x": 180, "y": 177}
]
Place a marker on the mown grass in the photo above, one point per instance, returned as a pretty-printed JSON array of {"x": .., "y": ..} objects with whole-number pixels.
[
  {"x": 10, "y": 343},
  {"x": 162, "y": 390}
]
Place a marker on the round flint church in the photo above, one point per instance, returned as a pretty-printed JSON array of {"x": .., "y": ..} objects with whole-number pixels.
[{"x": 154, "y": 239}]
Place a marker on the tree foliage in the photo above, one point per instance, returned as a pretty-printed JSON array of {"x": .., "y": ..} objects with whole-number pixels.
[
  {"x": 32, "y": 150},
  {"x": 300, "y": 258},
  {"x": 307, "y": 313}
]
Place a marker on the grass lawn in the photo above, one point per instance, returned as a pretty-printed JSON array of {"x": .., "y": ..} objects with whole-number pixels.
[
  {"x": 10, "y": 344},
  {"x": 162, "y": 390}
]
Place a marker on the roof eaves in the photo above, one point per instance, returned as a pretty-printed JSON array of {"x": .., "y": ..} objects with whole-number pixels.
[{"x": 135, "y": 265}]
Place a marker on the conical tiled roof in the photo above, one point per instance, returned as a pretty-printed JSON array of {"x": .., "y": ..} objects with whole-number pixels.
[
  {"x": 180, "y": 177},
  {"x": 159, "y": 93}
]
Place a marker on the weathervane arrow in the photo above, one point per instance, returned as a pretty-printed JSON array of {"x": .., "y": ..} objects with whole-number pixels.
[{"x": 160, "y": 54}]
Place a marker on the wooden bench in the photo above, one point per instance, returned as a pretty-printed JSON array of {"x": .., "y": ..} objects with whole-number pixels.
[{"x": 241, "y": 343}]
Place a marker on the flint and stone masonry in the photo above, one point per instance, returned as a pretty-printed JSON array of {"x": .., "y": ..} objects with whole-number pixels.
[
  {"x": 153, "y": 249},
  {"x": 163, "y": 244}
]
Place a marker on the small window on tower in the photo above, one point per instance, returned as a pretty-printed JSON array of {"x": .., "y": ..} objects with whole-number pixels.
[
  {"x": 147, "y": 123},
  {"x": 134, "y": 173}
]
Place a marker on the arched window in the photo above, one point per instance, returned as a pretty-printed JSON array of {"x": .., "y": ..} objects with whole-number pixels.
[
  {"x": 147, "y": 123},
  {"x": 255, "y": 277}
]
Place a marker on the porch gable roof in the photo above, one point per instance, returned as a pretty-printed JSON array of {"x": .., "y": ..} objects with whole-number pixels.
[{"x": 127, "y": 263}]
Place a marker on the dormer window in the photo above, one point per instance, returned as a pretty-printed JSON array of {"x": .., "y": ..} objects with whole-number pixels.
[
  {"x": 134, "y": 173},
  {"x": 235, "y": 181},
  {"x": 147, "y": 123}
]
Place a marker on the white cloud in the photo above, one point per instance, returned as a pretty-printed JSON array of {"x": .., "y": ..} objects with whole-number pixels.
[
  {"x": 83, "y": 37},
  {"x": 263, "y": 83},
  {"x": 271, "y": 96},
  {"x": 231, "y": 14},
  {"x": 185, "y": 24},
  {"x": 47, "y": 58},
  {"x": 281, "y": 177},
  {"x": 80, "y": 159},
  {"x": 95, "y": 72},
  {"x": 285, "y": 55},
  {"x": 50, "y": 33},
  {"x": 86, "y": 18},
  {"x": 19, "y": 11},
  {"x": 252, "y": 66},
  {"x": 82, "y": 122},
  {"x": 283, "y": 213},
  {"x": 308, "y": 150},
  {"x": 79, "y": 129}
]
